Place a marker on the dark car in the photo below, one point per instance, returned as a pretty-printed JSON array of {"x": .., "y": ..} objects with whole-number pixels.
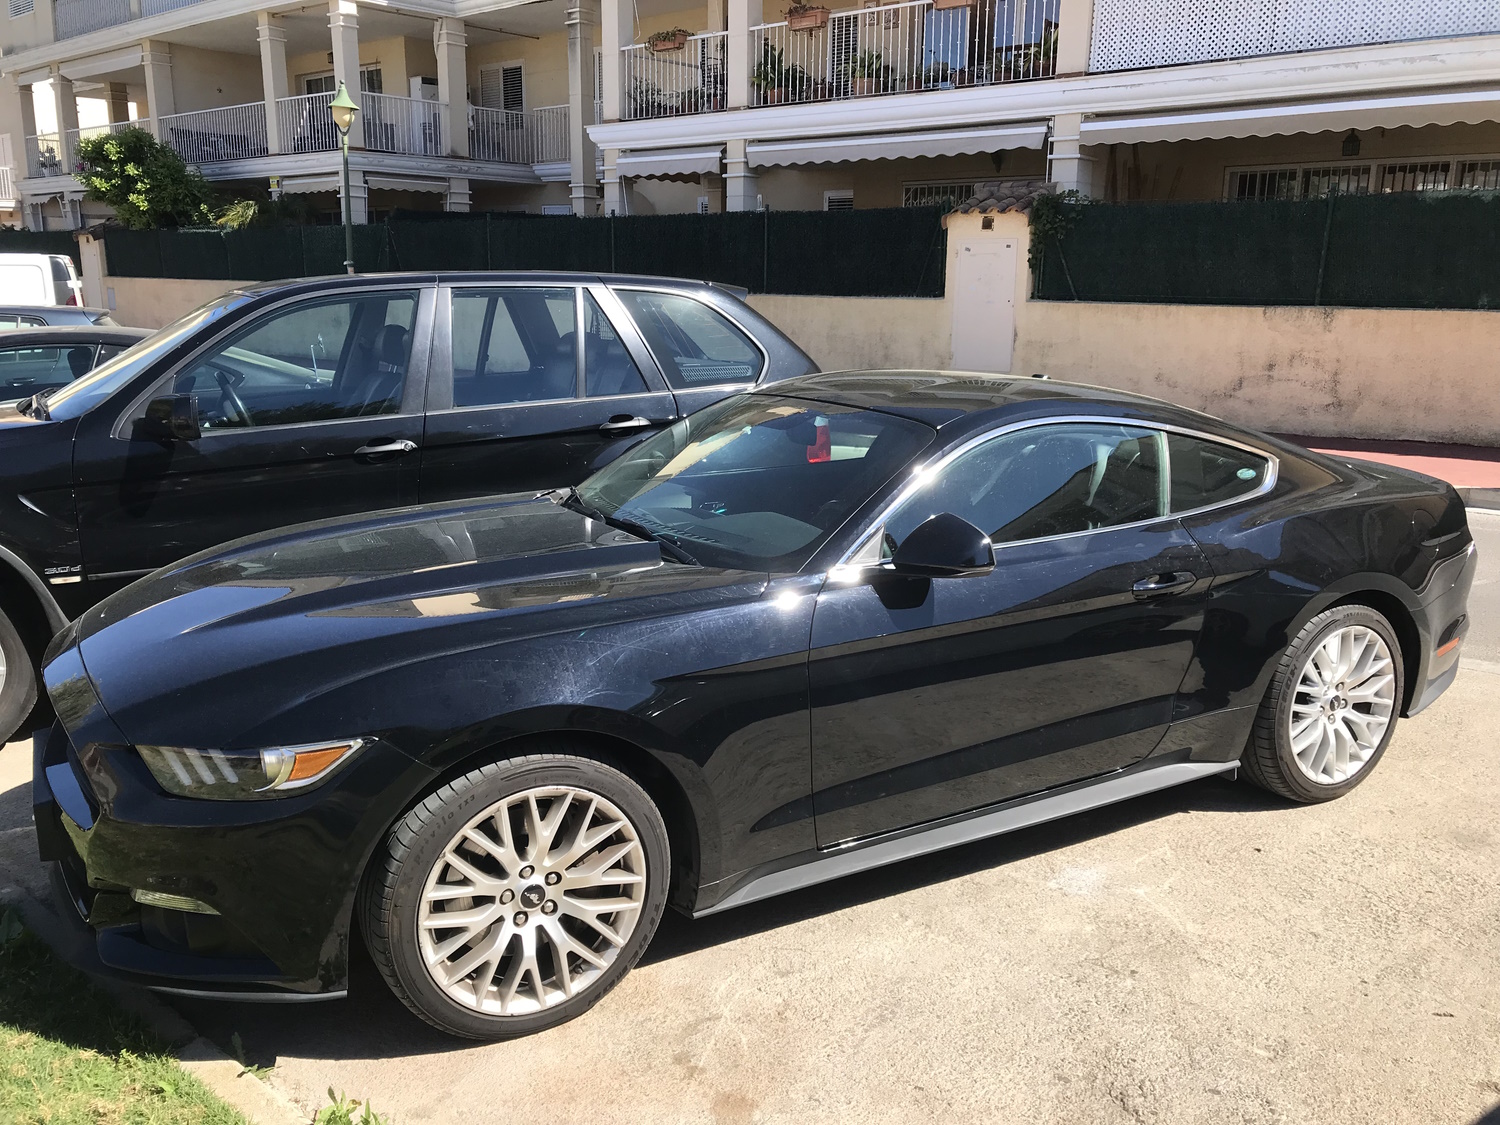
[
  {"x": 43, "y": 359},
  {"x": 809, "y": 630},
  {"x": 292, "y": 402},
  {"x": 52, "y": 316}
]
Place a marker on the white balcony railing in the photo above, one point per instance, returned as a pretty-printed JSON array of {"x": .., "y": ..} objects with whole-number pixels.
[
  {"x": 79, "y": 17},
  {"x": 1131, "y": 34},
  {"x": 511, "y": 137},
  {"x": 7, "y": 183},
  {"x": 669, "y": 83},
  {"x": 304, "y": 124},
  {"x": 207, "y": 136},
  {"x": 413, "y": 126},
  {"x": 44, "y": 156},
  {"x": 76, "y": 135},
  {"x": 896, "y": 48}
]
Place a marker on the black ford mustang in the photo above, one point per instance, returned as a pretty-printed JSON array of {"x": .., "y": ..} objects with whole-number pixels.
[{"x": 809, "y": 630}]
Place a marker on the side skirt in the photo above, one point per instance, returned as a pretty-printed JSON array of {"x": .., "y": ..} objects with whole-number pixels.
[{"x": 880, "y": 851}]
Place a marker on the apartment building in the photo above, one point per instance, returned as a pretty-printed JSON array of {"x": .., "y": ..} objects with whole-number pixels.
[{"x": 638, "y": 106}]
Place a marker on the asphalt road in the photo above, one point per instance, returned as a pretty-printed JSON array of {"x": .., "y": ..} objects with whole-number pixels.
[{"x": 1207, "y": 954}]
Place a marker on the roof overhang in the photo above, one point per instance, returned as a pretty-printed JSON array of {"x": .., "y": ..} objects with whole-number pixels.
[
  {"x": 897, "y": 146},
  {"x": 1470, "y": 107}
]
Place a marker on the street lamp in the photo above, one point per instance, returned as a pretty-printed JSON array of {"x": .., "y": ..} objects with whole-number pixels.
[{"x": 343, "y": 109}]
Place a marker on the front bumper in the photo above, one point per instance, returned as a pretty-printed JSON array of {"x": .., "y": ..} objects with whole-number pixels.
[{"x": 281, "y": 874}]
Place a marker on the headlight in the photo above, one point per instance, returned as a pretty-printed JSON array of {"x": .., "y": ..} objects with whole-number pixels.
[{"x": 246, "y": 775}]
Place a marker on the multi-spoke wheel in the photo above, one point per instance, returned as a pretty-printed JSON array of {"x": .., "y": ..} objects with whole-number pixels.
[
  {"x": 1331, "y": 708},
  {"x": 515, "y": 897}
]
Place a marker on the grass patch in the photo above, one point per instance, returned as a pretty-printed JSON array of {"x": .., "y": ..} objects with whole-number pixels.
[{"x": 69, "y": 1055}]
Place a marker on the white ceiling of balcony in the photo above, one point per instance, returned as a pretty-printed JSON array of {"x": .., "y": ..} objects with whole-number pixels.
[
  {"x": 1463, "y": 108},
  {"x": 897, "y": 146}
]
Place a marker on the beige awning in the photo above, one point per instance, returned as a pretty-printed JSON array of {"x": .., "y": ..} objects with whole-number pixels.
[
  {"x": 897, "y": 146},
  {"x": 405, "y": 183},
  {"x": 1468, "y": 108},
  {"x": 669, "y": 163}
]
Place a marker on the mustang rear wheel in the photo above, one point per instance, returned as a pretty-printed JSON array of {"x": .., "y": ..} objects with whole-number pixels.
[
  {"x": 1331, "y": 709},
  {"x": 17, "y": 680},
  {"x": 515, "y": 897}
]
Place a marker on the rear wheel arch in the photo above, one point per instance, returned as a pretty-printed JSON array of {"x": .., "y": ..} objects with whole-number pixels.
[
  {"x": 26, "y": 602},
  {"x": 1404, "y": 622}
]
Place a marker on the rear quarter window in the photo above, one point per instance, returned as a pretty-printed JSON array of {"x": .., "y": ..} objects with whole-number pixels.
[
  {"x": 1206, "y": 472},
  {"x": 695, "y": 345}
]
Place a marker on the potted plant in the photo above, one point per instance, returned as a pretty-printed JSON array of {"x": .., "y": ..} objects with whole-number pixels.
[
  {"x": 868, "y": 74},
  {"x": 807, "y": 17},
  {"x": 674, "y": 40},
  {"x": 774, "y": 80}
]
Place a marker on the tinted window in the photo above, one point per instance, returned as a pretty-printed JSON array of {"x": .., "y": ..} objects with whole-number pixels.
[
  {"x": 12, "y": 320},
  {"x": 757, "y": 481},
  {"x": 513, "y": 345},
  {"x": 312, "y": 362},
  {"x": 24, "y": 371},
  {"x": 694, "y": 345},
  {"x": 1044, "y": 481},
  {"x": 607, "y": 366},
  {"x": 62, "y": 278},
  {"x": 1205, "y": 472}
]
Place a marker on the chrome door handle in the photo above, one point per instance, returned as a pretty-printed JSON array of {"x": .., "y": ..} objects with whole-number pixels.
[
  {"x": 386, "y": 448},
  {"x": 625, "y": 424},
  {"x": 1158, "y": 584}
]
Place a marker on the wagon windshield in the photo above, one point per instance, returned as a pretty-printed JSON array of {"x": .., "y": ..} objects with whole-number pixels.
[{"x": 757, "y": 481}]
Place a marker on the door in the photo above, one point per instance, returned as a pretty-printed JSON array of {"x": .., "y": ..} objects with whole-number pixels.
[
  {"x": 984, "y": 303},
  {"x": 932, "y": 697},
  {"x": 521, "y": 401},
  {"x": 308, "y": 411}
]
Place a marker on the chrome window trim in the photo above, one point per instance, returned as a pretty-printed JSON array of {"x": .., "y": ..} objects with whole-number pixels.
[
  {"x": 1273, "y": 472},
  {"x": 765, "y": 356}
]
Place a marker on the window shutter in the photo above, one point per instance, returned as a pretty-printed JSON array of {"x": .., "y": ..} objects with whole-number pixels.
[
  {"x": 489, "y": 87},
  {"x": 512, "y": 90},
  {"x": 838, "y": 201},
  {"x": 22, "y": 8}
]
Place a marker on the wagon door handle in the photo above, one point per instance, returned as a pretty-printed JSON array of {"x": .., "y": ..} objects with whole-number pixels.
[
  {"x": 621, "y": 424},
  {"x": 1156, "y": 585},
  {"x": 387, "y": 449}
]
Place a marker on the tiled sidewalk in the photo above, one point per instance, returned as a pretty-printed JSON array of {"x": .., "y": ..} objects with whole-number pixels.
[{"x": 1473, "y": 470}]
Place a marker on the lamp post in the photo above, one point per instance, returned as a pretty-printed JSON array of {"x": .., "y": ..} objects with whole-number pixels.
[{"x": 343, "y": 109}]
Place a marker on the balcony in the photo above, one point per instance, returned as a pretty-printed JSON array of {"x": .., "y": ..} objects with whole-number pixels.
[
  {"x": 508, "y": 137},
  {"x": 7, "y": 183},
  {"x": 205, "y": 136},
  {"x": 43, "y": 156},
  {"x": 671, "y": 81},
  {"x": 1134, "y": 34},
  {"x": 79, "y": 17}
]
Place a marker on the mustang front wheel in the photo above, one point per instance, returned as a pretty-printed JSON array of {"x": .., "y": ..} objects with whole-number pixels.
[{"x": 515, "y": 897}]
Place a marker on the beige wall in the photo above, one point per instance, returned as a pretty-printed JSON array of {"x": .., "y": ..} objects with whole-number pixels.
[
  {"x": 209, "y": 79},
  {"x": 544, "y": 66},
  {"x": 843, "y": 333},
  {"x": 153, "y": 302},
  {"x": 400, "y": 59}
]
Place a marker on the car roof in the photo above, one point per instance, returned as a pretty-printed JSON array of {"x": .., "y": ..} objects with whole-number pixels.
[
  {"x": 73, "y": 334},
  {"x": 429, "y": 277},
  {"x": 959, "y": 401},
  {"x": 53, "y": 310}
]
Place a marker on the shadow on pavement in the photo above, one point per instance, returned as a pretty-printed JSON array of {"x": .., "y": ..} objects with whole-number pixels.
[{"x": 373, "y": 1024}]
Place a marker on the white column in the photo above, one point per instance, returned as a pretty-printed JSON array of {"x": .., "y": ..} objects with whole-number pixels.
[
  {"x": 117, "y": 101},
  {"x": 156, "y": 58},
  {"x": 67, "y": 118},
  {"x": 451, "y": 41},
  {"x": 743, "y": 14},
  {"x": 343, "y": 23},
  {"x": 614, "y": 187},
  {"x": 740, "y": 187},
  {"x": 28, "y": 112},
  {"x": 273, "y": 77},
  {"x": 583, "y": 181},
  {"x": 359, "y": 196},
  {"x": 1067, "y": 166},
  {"x": 616, "y": 31},
  {"x": 1075, "y": 35},
  {"x": 457, "y": 198}
]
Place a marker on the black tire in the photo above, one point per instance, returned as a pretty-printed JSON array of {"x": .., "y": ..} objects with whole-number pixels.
[
  {"x": 391, "y": 894},
  {"x": 1268, "y": 760},
  {"x": 17, "y": 680}
]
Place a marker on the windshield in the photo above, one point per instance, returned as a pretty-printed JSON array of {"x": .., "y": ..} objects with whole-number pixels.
[
  {"x": 83, "y": 394},
  {"x": 757, "y": 482}
]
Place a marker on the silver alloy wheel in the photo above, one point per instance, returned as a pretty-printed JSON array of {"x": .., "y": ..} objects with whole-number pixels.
[
  {"x": 532, "y": 901},
  {"x": 2, "y": 673},
  {"x": 1343, "y": 705}
]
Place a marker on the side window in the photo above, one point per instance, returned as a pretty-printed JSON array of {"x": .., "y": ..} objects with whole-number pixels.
[
  {"x": 1205, "y": 472},
  {"x": 695, "y": 345},
  {"x": 514, "y": 345},
  {"x": 312, "y": 362},
  {"x": 607, "y": 366},
  {"x": 15, "y": 320},
  {"x": 1043, "y": 481},
  {"x": 24, "y": 371}
]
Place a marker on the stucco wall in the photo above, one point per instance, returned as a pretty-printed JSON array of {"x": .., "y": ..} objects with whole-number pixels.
[
  {"x": 152, "y": 302},
  {"x": 863, "y": 332},
  {"x": 209, "y": 79},
  {"x": 544, "y": 66}
]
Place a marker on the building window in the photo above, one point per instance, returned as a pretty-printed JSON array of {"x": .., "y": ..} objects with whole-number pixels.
[
  {"x": 842, "y": 200},
  {"x": 1479, "y": 175},
  {"x": 1319, "y": 182},
  {"x": 934, "y": 194},
  {"x": 369, "y": 82},
  {"x": 1415, "y": 177},
  {"x": 22, "y": 8},
  {"x": 502, "y": 87}
]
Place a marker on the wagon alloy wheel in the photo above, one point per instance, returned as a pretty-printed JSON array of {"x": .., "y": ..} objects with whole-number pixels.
[
  {"x": 1344, "y": 701},
  {"x": 532, "y": 900},
  {"x": 17, "y": 680}
]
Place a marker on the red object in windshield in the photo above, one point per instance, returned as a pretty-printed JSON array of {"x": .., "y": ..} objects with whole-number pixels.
[{"x": 822, "y": 449}]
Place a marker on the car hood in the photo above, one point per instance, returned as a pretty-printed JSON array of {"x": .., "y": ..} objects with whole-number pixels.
[{"x": 264, "y": 623}]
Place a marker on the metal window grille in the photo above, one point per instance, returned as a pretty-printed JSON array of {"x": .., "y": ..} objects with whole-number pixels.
[
  {"x": 838, "y": 200},
  {"x": 1415, "y": 177},
  {"x": 22, "y": 8},
  {"x": 935, "y": 194},
  {"x": 1479, "y": 175},
  {"x": 1268, "y": 183},
  {"x": 1319, "y": 183}
]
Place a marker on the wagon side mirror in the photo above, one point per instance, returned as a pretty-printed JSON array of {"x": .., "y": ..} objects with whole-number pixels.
[
  {"x": 946, "y": 546},
  {"x": 171, "y": 418}
]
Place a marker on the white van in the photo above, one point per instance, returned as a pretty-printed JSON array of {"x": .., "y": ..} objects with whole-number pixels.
[{"x": 39, "y": 279}]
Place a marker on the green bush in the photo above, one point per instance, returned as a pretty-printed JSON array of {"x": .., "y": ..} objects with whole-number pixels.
[{"x": 146, "y": 183}]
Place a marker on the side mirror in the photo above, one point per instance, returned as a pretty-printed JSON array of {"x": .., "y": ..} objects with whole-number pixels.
[
  {"x": 944, "y": 547},
  {"x": 171, "y": 418}
]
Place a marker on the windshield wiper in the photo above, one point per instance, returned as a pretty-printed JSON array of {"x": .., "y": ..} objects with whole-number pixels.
[
  {"x": 569, "y": 498},
  {"x": 36, "y": 407}
]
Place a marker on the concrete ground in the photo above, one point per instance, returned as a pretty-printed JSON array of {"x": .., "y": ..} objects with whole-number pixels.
[{"x": 1207, "y": 954}]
